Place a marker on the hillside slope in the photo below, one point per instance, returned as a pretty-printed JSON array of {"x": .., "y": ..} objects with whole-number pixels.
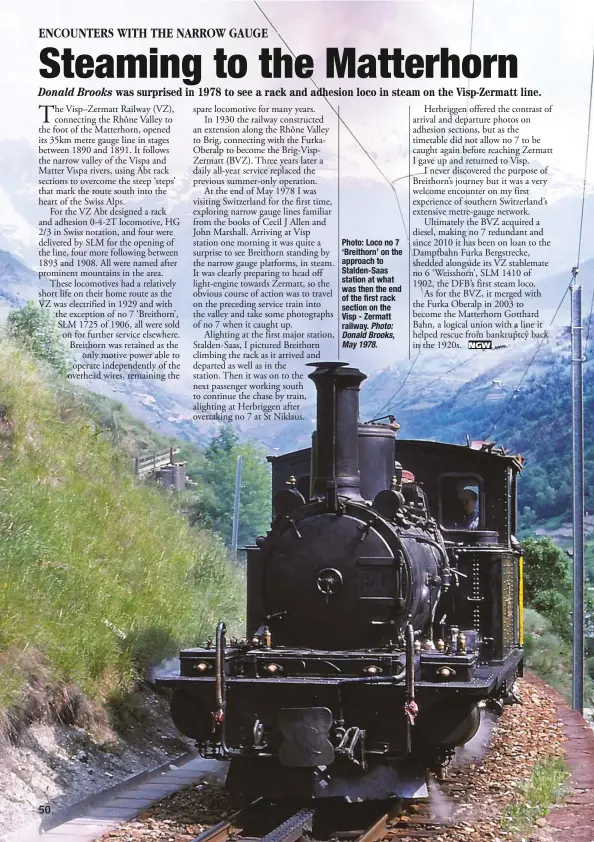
[{"x": 99, "y": 576}]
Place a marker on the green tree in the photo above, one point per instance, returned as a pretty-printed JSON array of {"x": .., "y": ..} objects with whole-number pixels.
[
  {"x": 34, "y": 328},
  {"x": 214, "y": 505},
  {"x": 547, "y": 583},
  {"x": 527, "y": 517}
]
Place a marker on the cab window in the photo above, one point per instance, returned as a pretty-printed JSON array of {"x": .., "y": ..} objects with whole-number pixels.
[{"x": 461, "y": 501}]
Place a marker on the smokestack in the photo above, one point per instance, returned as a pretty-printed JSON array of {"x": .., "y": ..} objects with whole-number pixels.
[{"x": 336, "y": 448}]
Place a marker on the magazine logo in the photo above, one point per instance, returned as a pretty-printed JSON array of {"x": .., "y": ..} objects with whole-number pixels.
[{"x": 480, "y": 344}]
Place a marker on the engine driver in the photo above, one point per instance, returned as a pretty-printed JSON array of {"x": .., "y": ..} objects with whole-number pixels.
[{"x": 469, "y": 517}]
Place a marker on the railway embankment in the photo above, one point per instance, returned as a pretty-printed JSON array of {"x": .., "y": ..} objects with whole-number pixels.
[
  {"x": 100, "y": 579},
  {"x": 573, "y": 819}
]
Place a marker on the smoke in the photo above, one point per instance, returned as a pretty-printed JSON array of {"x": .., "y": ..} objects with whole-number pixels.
[
  {"x": 167, "y": 666},
  {"x": 441, "y": 805},
  {"x": 476, "y": 748}
]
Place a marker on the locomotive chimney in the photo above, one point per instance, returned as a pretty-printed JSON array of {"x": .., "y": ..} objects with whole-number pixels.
[{"x": 336, "y": 446}]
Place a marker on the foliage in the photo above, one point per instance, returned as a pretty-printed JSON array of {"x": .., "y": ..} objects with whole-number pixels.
[
  {"x": 99, "y": 576},
  {"x": 34, "y": 328},
  {"x": 549, "y": 655},
  {"x": 547, "y": 786},
  {"x": 589, "y": 657},
  {"x": 547, "y": 583},
  {"x": 546, "y": 653},
  {"x": 215, "y": 502},
  {"x": 534, "y": 421}
]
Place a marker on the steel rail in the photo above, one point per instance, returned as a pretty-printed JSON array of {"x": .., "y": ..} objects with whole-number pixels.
[{"x": 300, "y": 825}]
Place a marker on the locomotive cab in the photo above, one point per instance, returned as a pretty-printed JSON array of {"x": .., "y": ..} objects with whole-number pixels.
[
  {"x": 482, "y": 549},
  {"x": 382, "y": 608}
]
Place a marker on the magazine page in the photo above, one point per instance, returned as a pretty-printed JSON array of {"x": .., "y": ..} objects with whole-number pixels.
[{"x": 225, "y": 227}]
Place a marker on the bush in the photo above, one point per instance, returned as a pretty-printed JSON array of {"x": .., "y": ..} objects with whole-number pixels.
[
  {"x": 546, "y": 652},
  {"x": 547, "y": 583},
  {"x": 547, "y": 786},
  {"x": 34, "y": 328}
]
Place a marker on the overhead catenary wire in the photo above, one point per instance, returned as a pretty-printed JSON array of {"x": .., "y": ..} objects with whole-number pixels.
[
  {"x": 388, "y": 403},
  {"x": 529, "y": 366},
  {"x": 391, "y": 185},
  {"x": 362, "y": 147},
  {"x": 575, "y": 269},
  {"x": 441, "y": 376},
  {"x": 585, "y": 163},
  {"x": 427, "y": 385},
  {"x": 342, "y": 121}
]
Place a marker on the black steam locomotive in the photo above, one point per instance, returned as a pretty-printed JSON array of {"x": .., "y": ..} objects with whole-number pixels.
[{"x": 384, "y": 610}]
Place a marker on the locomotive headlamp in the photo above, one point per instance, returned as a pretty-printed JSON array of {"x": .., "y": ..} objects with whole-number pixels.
[
  {"x": 446, "y": 672},
  {"x": 273, "y": 668},
  {"x": 201, "y": 667},
  {"x": 372, "y": 670}
]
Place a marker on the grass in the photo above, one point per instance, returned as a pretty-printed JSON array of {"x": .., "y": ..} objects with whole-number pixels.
[
  {"x": 547, "y": 786},
  {"x": 550, "y": 657},
  {"x": 546, "y": 653},
  {"x": 131, "y": 434},
  {"x": 99, "y": 577}
]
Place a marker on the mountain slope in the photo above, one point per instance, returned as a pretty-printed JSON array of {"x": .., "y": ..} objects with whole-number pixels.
[
  {"x": 99, "y": 576},
  {"x": 18, "y": 283}
]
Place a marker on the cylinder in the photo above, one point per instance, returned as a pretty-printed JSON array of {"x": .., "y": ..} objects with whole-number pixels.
[{"x": 336, "y": 450}]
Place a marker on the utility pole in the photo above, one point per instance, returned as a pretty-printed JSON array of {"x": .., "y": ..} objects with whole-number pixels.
[
  {"x": 236, "y": 509},
  {"x": 577, "y": 427}
]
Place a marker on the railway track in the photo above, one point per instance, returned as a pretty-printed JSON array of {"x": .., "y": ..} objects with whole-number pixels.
[
  {"x": 104, "y": 811},
  {"x": 260, "y": 821},
  {"x": 264, "y": 821},
  {"x": 178, "y": 802}
]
